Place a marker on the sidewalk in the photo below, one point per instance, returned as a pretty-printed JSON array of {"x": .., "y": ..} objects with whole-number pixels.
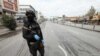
[
  {"x": 84, "y": 26},
  {"x": 4, "y": 31}
]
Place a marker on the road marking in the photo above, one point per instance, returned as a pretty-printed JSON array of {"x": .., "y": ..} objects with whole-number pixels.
[{"x": 63, "y": 50}]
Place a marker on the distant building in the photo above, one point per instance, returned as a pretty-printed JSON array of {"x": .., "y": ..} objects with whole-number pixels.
[
  {"x": 22, "y": 10},
  {"x": 72, "y": 18},
  {"x": 39, "y": 15},
  {"x": 96, "y": 18}
]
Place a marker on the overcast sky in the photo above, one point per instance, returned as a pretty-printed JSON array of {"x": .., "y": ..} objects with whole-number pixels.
[{"x": 51, "y": 8}]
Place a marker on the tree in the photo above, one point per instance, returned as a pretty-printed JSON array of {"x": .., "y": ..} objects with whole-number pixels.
[
  {"x": 99, "y": 19},
  {"x": 91, "y": 12},
  {"x": 9, "y": 22}
]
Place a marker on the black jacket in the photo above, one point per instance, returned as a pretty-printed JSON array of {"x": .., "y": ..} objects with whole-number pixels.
[{"x": 31, "y": 28}]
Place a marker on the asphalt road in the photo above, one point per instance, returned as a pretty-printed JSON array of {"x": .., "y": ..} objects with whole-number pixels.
[{"x": 59, "y": 41}]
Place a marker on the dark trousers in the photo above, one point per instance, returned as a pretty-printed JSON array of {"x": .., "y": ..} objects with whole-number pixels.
[{"x": 33, "y": 50}]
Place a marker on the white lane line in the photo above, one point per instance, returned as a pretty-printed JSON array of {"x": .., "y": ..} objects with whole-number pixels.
[{"x": 63, "y": 50}]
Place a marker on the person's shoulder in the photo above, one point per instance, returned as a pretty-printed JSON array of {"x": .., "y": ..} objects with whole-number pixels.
[{"x": 25, "y": 21}]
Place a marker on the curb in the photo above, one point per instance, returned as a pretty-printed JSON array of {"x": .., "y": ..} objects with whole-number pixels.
[{"x": 9, "y": 32}]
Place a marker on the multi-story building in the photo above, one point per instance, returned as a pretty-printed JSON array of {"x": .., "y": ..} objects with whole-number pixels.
[
  {"x": 9, "y": 6},
  {"x": 22, "y": 10}
]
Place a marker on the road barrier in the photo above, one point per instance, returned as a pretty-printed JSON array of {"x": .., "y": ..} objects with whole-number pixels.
[{"x": 92, "y": 27}]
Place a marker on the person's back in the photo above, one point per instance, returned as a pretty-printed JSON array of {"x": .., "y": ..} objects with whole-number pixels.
[{"x": 30, "y": 29}]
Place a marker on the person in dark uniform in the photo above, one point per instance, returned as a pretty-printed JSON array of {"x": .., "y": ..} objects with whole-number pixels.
[{"x": 32, "y": 33}]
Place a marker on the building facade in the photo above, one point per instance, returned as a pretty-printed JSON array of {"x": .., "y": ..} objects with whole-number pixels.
[
  {"x": 96, "y": 18},
  {"x": 22, "y": 10},
  {"x": 9, "y": 6}
]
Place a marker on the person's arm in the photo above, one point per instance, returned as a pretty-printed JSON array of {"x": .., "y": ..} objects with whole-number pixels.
[
  {"x": 26, "y": 34},
  {"x": 25, "y": 30},
  {"x": 40, "y": 33}
]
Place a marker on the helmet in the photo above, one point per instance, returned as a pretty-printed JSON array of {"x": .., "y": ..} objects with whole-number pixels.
[
  {"x": 30, "y": 12},
  {"x": 31, "y": 15}
]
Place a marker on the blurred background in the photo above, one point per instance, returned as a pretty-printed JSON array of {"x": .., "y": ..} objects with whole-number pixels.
[{"x": 69, "y": 27}]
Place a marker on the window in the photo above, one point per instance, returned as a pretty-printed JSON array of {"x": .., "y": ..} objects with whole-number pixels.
[{"x": 11, "y": 1}]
